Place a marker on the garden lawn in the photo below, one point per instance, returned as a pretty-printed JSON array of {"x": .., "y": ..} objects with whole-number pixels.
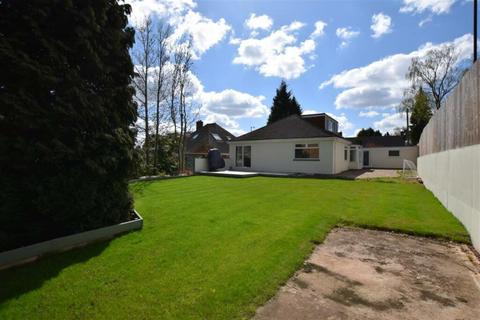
[{"x": 212, "y": 248}]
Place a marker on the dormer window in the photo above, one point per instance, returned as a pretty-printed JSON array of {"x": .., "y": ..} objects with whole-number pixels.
[{"x": 331, "y": 125}]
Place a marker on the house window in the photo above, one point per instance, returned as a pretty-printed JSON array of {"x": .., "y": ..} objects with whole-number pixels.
[
  {"x": 353, "y": 153},
  {"x": 345, "y": 154},
  {"x": 195, "y": 136},
  {"x": 394, "y": 153},
  {"x": 243, "y": 156},
  {"x": 307, "y": 151},
  {"x": 216, "y": 137}
]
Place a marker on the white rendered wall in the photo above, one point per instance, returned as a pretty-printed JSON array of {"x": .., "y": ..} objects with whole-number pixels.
[
  {"x": 454, "y": 178},
  {"x": 379, "y": 157},
  {"x": 340, "y": 164},
  {"x": 201, "y": 164},
  {"x": 278, "y": 156}
]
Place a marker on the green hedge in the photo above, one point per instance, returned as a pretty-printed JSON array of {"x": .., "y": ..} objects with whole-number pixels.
[{"x": 66, "y": 110}]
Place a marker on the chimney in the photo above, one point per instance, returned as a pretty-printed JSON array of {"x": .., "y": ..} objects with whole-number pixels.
[{"x": 199, "y": 124}]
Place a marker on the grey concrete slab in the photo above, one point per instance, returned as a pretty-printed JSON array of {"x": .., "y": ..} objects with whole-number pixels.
[{"x": 365, "y": 274}]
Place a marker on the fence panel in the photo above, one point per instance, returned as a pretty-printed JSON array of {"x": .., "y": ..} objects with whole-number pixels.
[{"x": 457, "y": 123}]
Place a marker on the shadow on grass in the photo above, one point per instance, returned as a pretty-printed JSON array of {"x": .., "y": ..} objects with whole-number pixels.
[
  {"x": 138, "y": 187},
  {"x": 21, "y": 279},
  {"x": 455, "y": 237}
]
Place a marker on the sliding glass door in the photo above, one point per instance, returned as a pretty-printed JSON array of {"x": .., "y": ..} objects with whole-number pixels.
[{"x": 243, "y": 156}]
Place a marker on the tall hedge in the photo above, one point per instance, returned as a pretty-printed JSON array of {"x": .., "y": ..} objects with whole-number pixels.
[{"x": 66, "y": 110}]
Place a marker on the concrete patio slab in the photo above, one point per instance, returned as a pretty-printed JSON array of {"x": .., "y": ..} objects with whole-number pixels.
[
  {"x": 369, "y": 174},
  {"x": 365, "y": 274},
  {"x": 242, "y": 174}
]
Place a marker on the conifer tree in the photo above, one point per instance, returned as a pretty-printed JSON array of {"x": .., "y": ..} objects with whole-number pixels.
[
  {"x": 66, "y": 110},
  {"x": 284, "y": 104}
]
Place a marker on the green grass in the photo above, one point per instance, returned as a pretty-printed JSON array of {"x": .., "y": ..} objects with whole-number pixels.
[{"x": 213, "y": 248}]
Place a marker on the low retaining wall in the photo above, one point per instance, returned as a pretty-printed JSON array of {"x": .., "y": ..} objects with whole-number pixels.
[
  {"x": 454, "y": 178},
  {"x": 30, "y": 253},
  {"x": 201, "y": 164}
]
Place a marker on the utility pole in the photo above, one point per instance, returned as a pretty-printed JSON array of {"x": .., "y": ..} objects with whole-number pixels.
[{"x": 475, "y": 10}]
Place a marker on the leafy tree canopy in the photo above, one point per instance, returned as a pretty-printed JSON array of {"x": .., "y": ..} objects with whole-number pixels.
[
  {"x": 421, "y": 114},
  {"x": 369, "y": 132}
]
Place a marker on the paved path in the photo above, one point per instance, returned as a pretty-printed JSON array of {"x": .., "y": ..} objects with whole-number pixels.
[{"x": 364, "y": 274}]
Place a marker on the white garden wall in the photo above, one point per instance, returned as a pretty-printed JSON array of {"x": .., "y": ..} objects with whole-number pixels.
[
  {"x": 454, "y": 178},
  {"x": 379, "y": 157}
]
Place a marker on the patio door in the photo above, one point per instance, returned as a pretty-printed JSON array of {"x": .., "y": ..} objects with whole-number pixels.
[
  {"x": 243, "y": 156},
  {"x": 366, "y": 158}
]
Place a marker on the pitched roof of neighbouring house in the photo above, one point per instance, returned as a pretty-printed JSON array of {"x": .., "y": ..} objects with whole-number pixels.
[
  {"x": 290, "y": 127},
  {"x": 206, "y": 138},
  {"x": 378, "y": 142}
]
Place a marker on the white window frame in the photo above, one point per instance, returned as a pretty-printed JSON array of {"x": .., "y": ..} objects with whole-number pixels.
[
  {"x": 306, "y": 146},
  {"x": 240, "y": 163}
]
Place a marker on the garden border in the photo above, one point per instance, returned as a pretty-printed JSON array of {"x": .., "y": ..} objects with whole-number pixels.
[{"x": 35, "y": 251}]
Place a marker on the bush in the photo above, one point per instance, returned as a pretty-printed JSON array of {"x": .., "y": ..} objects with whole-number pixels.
[{"x": 66, "y": 146}]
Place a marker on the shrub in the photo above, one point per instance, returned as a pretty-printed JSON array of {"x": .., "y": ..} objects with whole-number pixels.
[{"x": 66, "y": 146}]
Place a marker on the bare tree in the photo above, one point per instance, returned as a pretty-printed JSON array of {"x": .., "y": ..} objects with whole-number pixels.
[
  {"x": 437, "y": 72},
  {"x": 179, "y": 106},
  {"x": 162, "y": 58},
  {"x": 144, "y": 60}
]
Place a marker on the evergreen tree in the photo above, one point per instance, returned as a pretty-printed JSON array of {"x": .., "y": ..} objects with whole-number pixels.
[
  {"x": 284, "y": 104},
  {"x": 421, "y": 114},
  {"x": 66, "y": 146}
]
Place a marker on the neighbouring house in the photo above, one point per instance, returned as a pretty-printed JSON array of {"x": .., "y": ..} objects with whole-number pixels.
[
  {"x": 386, "y": 152},
  {"x": 204, "y": 138},
  {"x": 296, "y": 144},
  {"x": 311, "y": 144}
]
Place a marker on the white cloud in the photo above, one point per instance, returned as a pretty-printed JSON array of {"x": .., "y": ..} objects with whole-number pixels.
[
  {"x": 294, "y": 26},
  {"x": 425, "y": 21},
  {"x": 390, "y": 122},
  {"x": 276, "y": 55},
  {"x": 433, "y": 6},
  {"x": 204, "y": 31},
  {"x": 234, "y": 103},
  {"x": 381, "y": 24},
  {"x": 381, "y": 83},
  {"x": 368, "y": 114},
  {"x": 160, "y": 8},
  {"x": 228, "y": 106},
  {"x": 310, "y": 111},
  {"x": 346, "y": 34},
  {"x": 263, "y": 22},
  {"x": 319, "y": 29}
]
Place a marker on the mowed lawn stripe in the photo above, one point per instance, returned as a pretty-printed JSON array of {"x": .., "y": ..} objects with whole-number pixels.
[{"x": 212, "y": 248}]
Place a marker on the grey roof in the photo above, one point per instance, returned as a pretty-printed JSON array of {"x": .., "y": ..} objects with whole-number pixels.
[
  {"x": 287, "y": 128},
  {"x": 205, "y": 140},
  {"x": 378, "y": 142}
]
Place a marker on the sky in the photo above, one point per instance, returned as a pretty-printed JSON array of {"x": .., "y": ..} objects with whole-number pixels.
[{"x": 343, "y": 57}]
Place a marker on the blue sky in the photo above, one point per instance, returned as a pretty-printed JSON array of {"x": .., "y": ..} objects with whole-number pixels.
[{"x": 346, "y": 58}]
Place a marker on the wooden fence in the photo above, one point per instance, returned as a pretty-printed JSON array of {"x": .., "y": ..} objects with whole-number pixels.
[{"x": 457, "y": 123}]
